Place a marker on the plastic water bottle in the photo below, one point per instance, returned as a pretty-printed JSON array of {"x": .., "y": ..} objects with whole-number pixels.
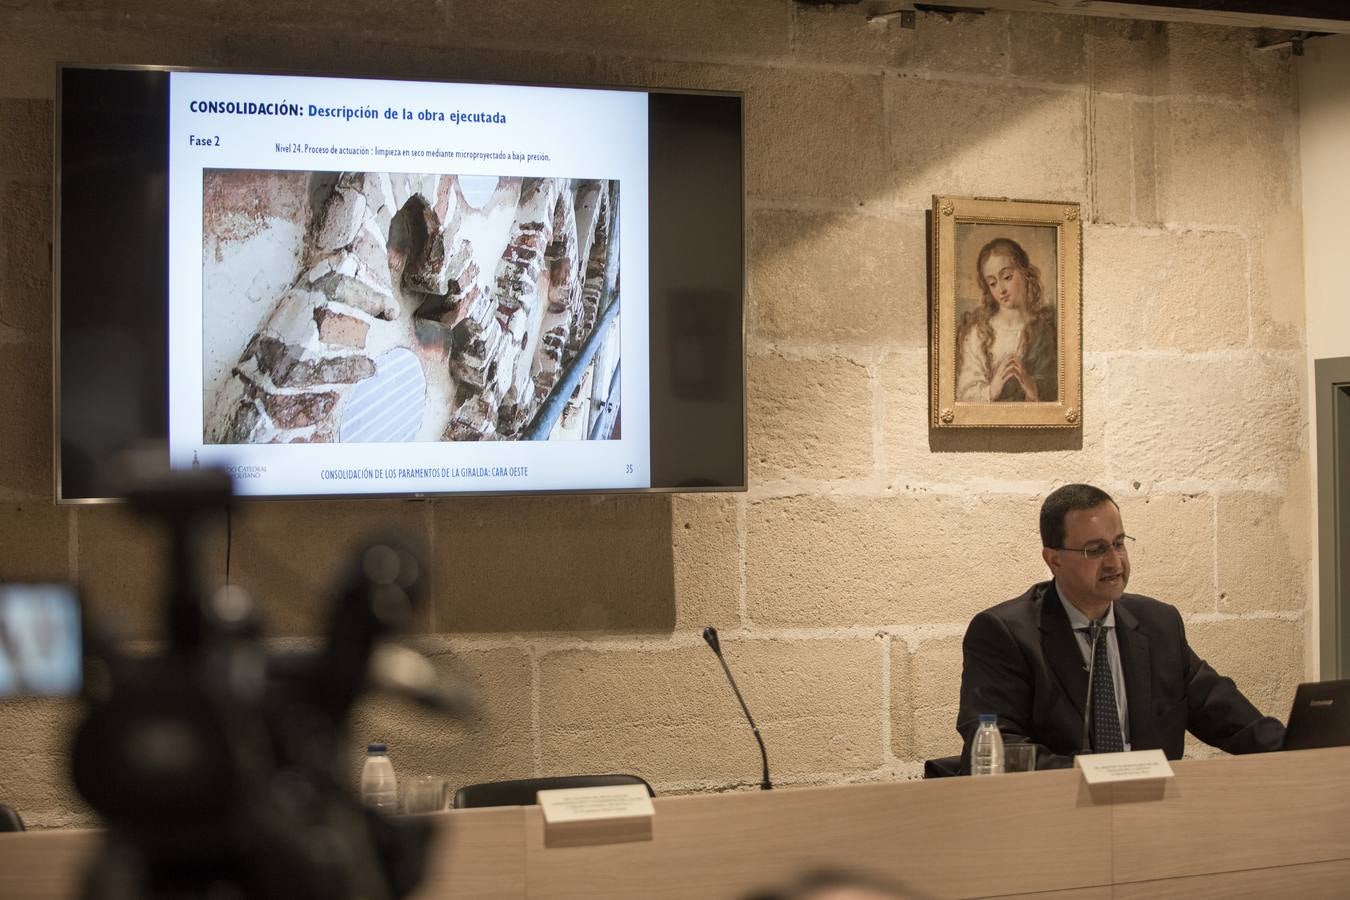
[
  {"x": 986, "y": 752},
  {"x": 379, "y": 787}
]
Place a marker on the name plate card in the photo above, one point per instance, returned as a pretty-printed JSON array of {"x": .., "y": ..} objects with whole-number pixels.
[
  {"x": 596, "y": 815},
  {"x": 1136, "y": 765}
]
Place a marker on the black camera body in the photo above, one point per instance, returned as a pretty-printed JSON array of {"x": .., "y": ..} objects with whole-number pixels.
[{"x": 220, "y": 768}]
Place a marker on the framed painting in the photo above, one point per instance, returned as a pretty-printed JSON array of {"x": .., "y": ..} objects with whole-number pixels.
[{"x": 1006, "y": 349}]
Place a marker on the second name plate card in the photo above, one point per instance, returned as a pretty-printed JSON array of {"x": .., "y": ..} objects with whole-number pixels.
[{"x": 596, "y": 815}]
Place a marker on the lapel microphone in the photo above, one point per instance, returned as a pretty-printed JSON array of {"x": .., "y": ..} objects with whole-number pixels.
[
  {"x": 1095, "y": 631},
  {"x": 710, "y": 635}
]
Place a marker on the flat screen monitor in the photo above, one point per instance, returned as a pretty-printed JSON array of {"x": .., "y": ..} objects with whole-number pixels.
[{"x": 378, "y": 288}]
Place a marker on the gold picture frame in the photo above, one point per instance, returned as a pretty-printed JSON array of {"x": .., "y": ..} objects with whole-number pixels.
[{"x": 1006, "y": 349}]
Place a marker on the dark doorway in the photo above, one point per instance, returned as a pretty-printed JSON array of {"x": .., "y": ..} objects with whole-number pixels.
[{"x": 1332, "y": 377}]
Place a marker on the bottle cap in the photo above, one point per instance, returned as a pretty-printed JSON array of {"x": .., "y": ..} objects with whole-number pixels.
[
  {"x": 985, "y": 717},
  {"x": 376, "y": 748}
]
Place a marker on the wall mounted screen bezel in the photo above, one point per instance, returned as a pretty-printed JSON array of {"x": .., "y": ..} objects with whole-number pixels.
[{"x": 111, "y": 392}]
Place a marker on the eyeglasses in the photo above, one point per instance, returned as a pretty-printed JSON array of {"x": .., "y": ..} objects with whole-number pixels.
[{"x": 1097, "y": 549}]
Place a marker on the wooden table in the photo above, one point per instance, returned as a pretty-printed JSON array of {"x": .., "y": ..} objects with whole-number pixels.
[{"x": 1252, "y": 826}]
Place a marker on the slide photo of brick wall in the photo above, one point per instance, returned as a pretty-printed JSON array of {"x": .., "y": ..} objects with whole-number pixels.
[{"x": 375, "y": 307}]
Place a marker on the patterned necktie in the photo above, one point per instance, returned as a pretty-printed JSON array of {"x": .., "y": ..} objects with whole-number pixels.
[{"x": 1106, "y": 737}]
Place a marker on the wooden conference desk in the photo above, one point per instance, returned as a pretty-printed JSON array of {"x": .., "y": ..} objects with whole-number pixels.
[{"x": 1253, "y": 826}]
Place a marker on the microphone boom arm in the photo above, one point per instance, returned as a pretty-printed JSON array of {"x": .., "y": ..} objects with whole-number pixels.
[
  {"x": 1095, "y": 629},
  {"x": 710, "y": 635}
]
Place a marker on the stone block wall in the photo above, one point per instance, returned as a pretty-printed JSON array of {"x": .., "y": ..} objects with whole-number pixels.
[{"x": 843, "y": 579}]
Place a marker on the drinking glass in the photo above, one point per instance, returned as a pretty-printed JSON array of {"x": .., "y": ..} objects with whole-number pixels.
[
  {"x": 1019, "y": 758},
  {"x": 424, "y": 794}
]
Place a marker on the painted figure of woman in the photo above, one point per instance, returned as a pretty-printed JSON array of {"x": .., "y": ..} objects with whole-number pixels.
[{"x": 1008, "y": 346}]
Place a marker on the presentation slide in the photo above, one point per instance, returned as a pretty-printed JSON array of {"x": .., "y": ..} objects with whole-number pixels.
[{"x": 384, "y": 287}]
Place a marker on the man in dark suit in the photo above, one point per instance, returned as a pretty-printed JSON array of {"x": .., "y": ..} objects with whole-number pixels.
[{"x": 1028, "y": 659}]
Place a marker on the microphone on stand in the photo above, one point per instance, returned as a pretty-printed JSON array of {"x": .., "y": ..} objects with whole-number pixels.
[
  {"x": 710, "y": 635},
  {"x": 1095, "y": 630}
]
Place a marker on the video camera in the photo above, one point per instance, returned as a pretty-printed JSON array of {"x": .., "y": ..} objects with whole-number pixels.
[{"x": 220, "y": 768}]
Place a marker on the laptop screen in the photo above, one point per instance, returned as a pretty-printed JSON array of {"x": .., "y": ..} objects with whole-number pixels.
[{"x": 1320, "y": 717}]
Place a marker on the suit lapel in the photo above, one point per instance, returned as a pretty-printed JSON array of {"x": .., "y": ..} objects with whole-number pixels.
[
  {"x": 1061, "y": 647},
  {"x": 1136, "y": 664}
]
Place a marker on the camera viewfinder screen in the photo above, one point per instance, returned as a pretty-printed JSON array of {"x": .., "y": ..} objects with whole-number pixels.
[{"x": 40, "y": 641}]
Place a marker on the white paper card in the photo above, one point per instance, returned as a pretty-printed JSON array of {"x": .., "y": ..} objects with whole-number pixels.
[
  {"x": 589, "y": 804},
  {"x": 1136, "y": 765}
]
